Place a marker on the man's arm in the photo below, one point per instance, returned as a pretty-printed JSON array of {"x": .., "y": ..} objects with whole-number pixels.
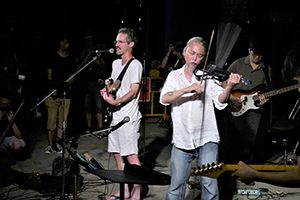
[
  {"x": 15, "y": 128},
  {"x": 287, "y": 179},
  {"x": 232, "y": 81},
  {"x": 134, "y": 89},
  {"x": 171, "y": 96}
]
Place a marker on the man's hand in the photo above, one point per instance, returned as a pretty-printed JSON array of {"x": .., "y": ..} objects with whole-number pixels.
[
  {"x": 103, "y": 91},
  {"x": 237, "y": 102},
  {"x": 233, "y": 80},
  {"x": 262, "y": 99},
  {"x": 178, "y": 54},
  {"x": 1, "y": 114},
  {"x": 58, "y": 100},
  {"x": 10, "y": 115},
  {"x": 245, "y": 173},
  {"x": 108, "y": 98},
  {"x": 196, "y": 87},
  {"x": 171, "y": 48}
]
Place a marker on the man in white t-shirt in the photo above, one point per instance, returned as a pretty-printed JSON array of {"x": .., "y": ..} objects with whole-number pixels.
[{"x": 123, "y": 142}]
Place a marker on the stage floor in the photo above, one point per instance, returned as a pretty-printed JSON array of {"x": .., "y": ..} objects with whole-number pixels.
[{"x": 155, "y": 150}]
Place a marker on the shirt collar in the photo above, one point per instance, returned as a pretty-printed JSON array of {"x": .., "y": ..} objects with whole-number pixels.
[
  {"x": 247, "y": 62},
  {"x": 181, "y": 71}
]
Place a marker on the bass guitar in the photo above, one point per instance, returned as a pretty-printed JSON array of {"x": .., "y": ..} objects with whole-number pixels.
[
  {"x": 251, "y": 99},
  {"x": 215, "y": 170}
]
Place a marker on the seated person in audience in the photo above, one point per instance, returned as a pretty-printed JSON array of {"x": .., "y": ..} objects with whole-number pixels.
[{"x": 12, "y": 142}]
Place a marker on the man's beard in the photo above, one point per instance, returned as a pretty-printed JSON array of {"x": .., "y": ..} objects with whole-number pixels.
[{"x": 191, "y": 68}]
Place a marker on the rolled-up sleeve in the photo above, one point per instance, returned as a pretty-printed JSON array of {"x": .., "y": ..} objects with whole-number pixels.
[
  {"x": 217, "y": 90},
  {"x": 168, "y": 87}
]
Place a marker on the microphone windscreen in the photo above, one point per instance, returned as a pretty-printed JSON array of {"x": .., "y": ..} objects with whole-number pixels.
[
  {"x": 111, "y": 50},
  {"x": 126, "y": 119}
]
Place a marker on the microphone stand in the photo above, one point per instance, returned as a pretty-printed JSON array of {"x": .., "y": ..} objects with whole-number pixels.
[
  {"x": 76, "y": 72},
  {"x": 144, "y": 82},
  {"x": 64, "y": 122}
]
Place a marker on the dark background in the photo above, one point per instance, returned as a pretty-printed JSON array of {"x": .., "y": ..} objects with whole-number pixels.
[{"x": 156, "y": 22}]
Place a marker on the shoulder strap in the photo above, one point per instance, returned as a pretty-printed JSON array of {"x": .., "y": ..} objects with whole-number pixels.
[{"x": 120, "y": 77}]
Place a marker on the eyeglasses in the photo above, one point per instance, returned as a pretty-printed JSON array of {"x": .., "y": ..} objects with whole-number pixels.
[
  {"x": 120, "y": 42},
  {"x": 255, "y": 55}
]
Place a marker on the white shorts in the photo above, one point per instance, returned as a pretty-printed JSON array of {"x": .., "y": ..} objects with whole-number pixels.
[
  {"x": 8, "y": 141},
  {"x": 124, "y": 140}
]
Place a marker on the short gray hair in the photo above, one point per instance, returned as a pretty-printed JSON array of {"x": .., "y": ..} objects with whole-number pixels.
[{"x": 131, "y": 35}]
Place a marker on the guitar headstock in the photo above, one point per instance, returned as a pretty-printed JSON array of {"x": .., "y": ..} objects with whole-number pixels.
[
  {"x": 210, "y": 170},
  {"x": 109, "y": 81}
]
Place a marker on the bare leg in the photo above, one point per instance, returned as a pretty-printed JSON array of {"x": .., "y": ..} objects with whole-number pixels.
[
  {"x": 134, "y": 159},
  {"x": 120, "y": 166},
  {"x": 50, "y": 137},
  {"x": 59, "y": 133},
  {"x": 89, "y": 119},
  {"x": 100, "y": 119}
]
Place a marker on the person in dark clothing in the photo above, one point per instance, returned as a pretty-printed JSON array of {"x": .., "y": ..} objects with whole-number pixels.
[
  {"x": 61, "y": 66},
  {"x": 290, "y": 71}
]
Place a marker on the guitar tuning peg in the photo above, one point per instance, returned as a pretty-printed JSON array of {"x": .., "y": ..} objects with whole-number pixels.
[
  {"x": 196, "y": 171},
  {"x": 215, "y": 166},
  {"x": 210, "y": 167},
  {"x": 220, "y": 165},
  {"x": 201, "y": 171}
]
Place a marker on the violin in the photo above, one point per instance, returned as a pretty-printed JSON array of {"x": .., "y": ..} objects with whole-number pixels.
[{"x": 216, "y": 73}]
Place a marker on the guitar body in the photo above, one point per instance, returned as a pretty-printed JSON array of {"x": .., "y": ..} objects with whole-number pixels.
[
  {"x": 248, "y": 101},
  {"x": 109, "y": 109},
  {"x": 251, "y": 98}
]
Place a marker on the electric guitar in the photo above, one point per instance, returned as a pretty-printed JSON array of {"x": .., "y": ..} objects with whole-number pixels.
[
  {"x": 108, "y": 112},
  {"x": 251, "y": 99},
  {"x": 215, "y": 170}
]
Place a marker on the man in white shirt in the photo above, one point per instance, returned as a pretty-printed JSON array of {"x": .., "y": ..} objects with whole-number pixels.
[
  {"x": 123, "y": 142},
  {"x": 195, "y": 132}
]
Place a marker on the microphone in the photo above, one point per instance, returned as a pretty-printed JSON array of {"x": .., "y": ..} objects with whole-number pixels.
[
  {"x": 295, "y": 112},
  {"x": 21, "y": 77},
  {"x": 92, "y": 163},
  {"x": 118, "y": 125},
  {"x": 111, "y": 50}
]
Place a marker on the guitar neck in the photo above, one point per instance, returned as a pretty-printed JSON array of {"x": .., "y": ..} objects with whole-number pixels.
[
  {"x": 215, "y": 170},
  {"x": 266, "y": 168},
  {"x": 276, "y": 92}
]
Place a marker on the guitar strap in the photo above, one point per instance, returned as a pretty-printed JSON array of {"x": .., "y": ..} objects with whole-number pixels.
[{"x": 121, "y": 75}]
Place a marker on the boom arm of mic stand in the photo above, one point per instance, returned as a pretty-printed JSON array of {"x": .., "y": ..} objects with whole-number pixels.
[
  {"x": 108, "y": 130},
  {"x": 43, "y": 100},
  {"x": 79, "y": 70},
  {"x": 73, "y": 75}
]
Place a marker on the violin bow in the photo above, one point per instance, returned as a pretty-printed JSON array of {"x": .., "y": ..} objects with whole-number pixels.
[{"x": 211, "y": 38}]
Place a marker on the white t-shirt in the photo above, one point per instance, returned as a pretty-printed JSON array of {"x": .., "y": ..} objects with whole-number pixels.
[
  {"x": 132, "y": 75},
  {"x": 194, "y": 120}
]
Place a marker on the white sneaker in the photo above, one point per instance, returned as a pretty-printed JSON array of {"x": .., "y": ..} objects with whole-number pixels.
[
  {"x": 58, "y": 148},
  {"x": 49, "y": 150}
]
